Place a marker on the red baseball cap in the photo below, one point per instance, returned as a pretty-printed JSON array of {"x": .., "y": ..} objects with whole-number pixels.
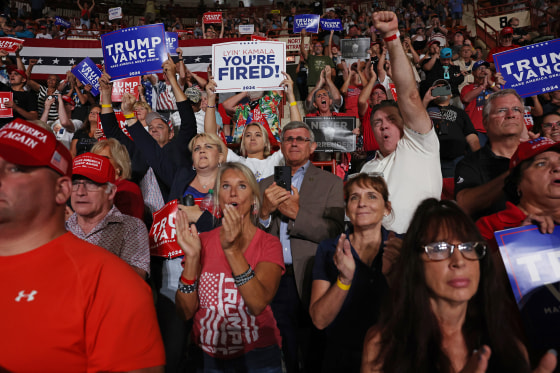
[
  {"x": 95, "y": 167},
  {"x": 433, "y": 42},
  {"x": 68, "y": 100},
  {"x": 506, "y": 31},
  {"x": 19, "y": 71},
  {"x": 529, "y": 149},
  {"x": 26, "y": 144}
]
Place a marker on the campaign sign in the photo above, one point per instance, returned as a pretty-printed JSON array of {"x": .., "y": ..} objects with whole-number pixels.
[
  {"x": 134, "y": 51},
  {"x": 309, "y": 22},
  {"x": 122, "y": 124},
  {"x": 115, "y": 13},
  {"x": 163, "y": 238},
  {"x": 333, "y": 134},
  {"x": 531, "y": 70},
  {"x": 532, "y": 262},
  {"x": 258, "y": 38},
  {"x": 246, "y": 29},
  {"x": 10, "y": 45},
  {"x": 87, "y": 72},
  {"x": 331, "y": 24},
  {"x": 6, "y": 112},
  {"x": 121, "y": 86},
  {"x": 354, "y": 48},
  {"x": 62, "y": 22},
  {"x": 172, "y": 41},
  {"x": 212, "y": 17},
  {"x": 248, "y": 65}
]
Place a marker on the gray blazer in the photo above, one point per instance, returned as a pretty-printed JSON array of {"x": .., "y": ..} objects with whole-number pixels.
[{"x": 320, "y": 216}]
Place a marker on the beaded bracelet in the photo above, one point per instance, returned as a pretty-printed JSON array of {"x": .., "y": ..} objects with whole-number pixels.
[
  {"x": 211, "y": 106},
  {"x": 187, "y": 289},
  {"x": 243, "y": 278}
]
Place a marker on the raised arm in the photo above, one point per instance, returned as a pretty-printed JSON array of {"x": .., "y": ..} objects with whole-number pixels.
[
  {"x": 31, "y": 83},
  {"x": 410, "y": 104},
  {"x": 365, "y": 94},
  {"x": 232, "y": 102},
  {"x": 288, "y": 85},
  {"x": 331, "y": 87},
  {"x": 304, "y": 52}
]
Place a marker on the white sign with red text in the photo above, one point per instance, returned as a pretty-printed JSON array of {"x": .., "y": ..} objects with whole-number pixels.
[{"x": 6, "y": 112}]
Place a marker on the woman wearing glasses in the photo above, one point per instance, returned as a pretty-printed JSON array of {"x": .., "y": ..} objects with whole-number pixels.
[
  {"x": 550, "y": 126},
  {"x": 349, "y": 274},
  {"x": 448, "y": 312},
  {"x": 255, "y": 145}
]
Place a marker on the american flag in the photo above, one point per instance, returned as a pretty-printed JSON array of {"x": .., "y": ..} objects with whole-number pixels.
[{"x": 58, "y": 56}]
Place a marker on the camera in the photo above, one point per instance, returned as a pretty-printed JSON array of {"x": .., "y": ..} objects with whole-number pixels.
[{"x": 444, "y": 90}]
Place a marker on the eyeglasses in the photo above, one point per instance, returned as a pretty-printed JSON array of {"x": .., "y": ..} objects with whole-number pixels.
[
  {"x": 549, "y": 125},
  {"x": 442, "y": 250},
  {"x": 299, "y": 140},
  {"x": 89, "y": 185}
]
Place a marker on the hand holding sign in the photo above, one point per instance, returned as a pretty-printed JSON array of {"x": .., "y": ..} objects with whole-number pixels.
[
  {"x": 105, "y": 85},
  {"x": 169, "y": 67},
  {"x": 187, "y": 235}
]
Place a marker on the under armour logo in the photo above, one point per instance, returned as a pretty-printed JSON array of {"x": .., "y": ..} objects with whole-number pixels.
[{"x": 30, "y": 296}]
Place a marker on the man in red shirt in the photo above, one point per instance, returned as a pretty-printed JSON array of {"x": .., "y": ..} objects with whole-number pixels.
[
  {"x": 505, "y": 41},
  {"x": 68, "y": 306}
]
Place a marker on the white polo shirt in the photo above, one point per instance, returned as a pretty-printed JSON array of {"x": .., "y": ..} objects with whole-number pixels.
[{"x": 412, "y": 173}]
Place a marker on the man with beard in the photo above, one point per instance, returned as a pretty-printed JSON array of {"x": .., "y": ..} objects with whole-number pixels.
[{"x": 453, "y": 126}]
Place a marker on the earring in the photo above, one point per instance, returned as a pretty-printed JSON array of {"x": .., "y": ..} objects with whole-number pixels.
[
  {"x": 254, "y": 209},
  {"x": 219, "y": 164},
  {"x": 194, "y": 168}
]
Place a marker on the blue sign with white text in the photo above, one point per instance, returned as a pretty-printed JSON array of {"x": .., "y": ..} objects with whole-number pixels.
[
  {"x": 531, "y": 70},
  {"x": 134, "y": 51},
  {"x": 172, "y": 41},
  {"x": 331, "y": 24},
  {"x": 87, "y": 72},
  {"x": 532, "y": 262},
  {"x": 61, "y": 21},
  {"x": 309, "y": 22}
]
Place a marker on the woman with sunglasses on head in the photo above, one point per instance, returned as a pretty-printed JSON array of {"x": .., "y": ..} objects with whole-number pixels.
[
  {"x": 349, "y": 274},
  {"x": 448, "y": 312},
  {"x": 255, "y": 147}
]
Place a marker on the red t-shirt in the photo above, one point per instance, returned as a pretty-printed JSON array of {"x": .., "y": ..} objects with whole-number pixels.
[
  {"x": 511, "y": 217},
  {"x": 70, "y": 306},
  {"x": 475, "y": 106},
  {"x": 498, "y": 49},
  {"x": 370, "y": 143},
  {"x": 223, "y": 326},
  {"x": 352, "y": 100}
]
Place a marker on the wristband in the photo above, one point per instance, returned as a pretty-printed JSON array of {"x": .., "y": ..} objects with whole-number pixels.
[
  {"x": 106, "y": 106},
  {"x": 293, "y": 103},
  {"x": 211, "y": 106},
  {"x": 187, "y": 289},
  {"x": 187, "y": 282},
  {"x": 129, "y": 116},
  {"x": 392, "y": 37},
  {"x": 341, "y": 285}
]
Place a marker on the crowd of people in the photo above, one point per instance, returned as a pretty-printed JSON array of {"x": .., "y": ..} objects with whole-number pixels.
[{"x": 386, "y": 264}]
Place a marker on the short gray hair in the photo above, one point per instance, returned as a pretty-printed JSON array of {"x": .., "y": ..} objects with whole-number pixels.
[
  {"x": 488, "y": 104},
  {"x": 295, "y": 124}
]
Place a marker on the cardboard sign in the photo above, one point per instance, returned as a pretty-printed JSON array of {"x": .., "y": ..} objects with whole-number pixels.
[
  {"x": 163, "y": 238},
  {"x": 246, "y": 29},
  {"x": 62, "y": 22},
  {"x": 331, "y": 24},
  {"x": 134, "y": 51},
  {"x": 309, "y": 22},
  {"x": 212, "y": 17},
  {"x": 130, "y": 85},
  {"x": 393, "y": 90},
  {"x": 172, "y": 42},
  {"x": 292, "y": 43},
  {"x": 6, "y": 112},
  {"x": 10, "y": 45},
  {"x": 532, "y": 262},
  {"x": 248, "y": 65},
  {"x": 333, "y": 133},
  {"x": 87, "y": 72},
  {"x": 122, "y": 124},
  {"x": 115, "y": 13},
  {"x": 531, "y": 70},
  {"x": 354, "y": 48}
]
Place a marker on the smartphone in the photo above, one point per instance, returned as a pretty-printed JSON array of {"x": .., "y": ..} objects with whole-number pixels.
[
  {"x": 444, "y": 90},
  {"x": 283, "y": 177}
]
